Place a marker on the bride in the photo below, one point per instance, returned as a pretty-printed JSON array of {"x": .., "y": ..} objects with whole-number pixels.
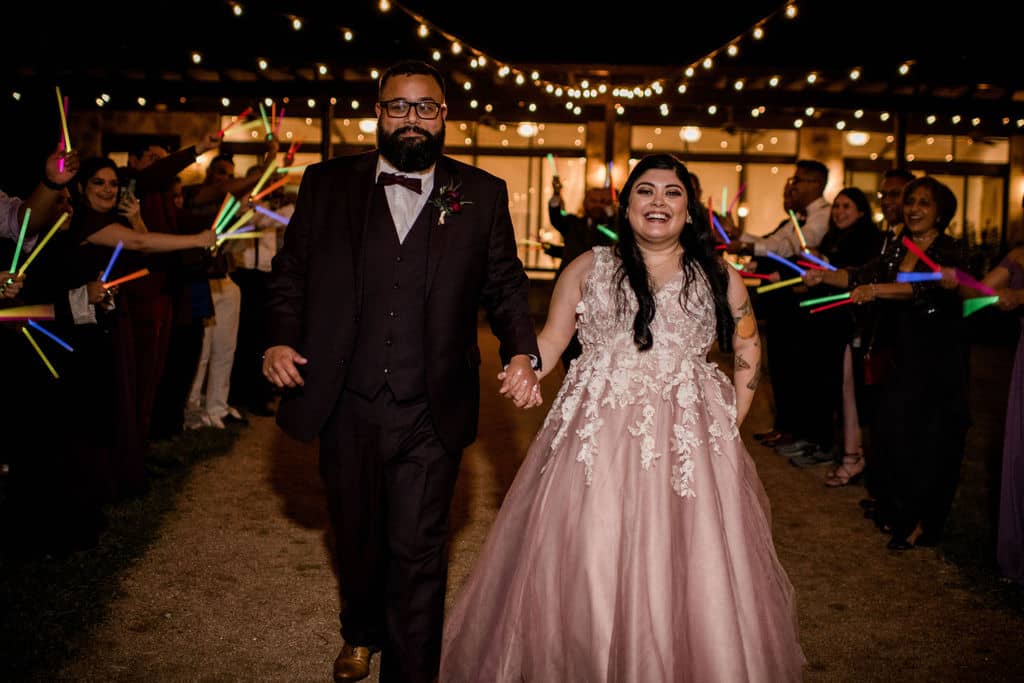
[{"x": 635, "y": 543}]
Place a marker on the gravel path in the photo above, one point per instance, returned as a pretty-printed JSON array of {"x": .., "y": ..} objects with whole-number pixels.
[{"x": 240, "y": 587}]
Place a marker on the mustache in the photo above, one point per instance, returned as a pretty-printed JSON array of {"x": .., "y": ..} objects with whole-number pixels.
[{"x": 411, "y": 129}]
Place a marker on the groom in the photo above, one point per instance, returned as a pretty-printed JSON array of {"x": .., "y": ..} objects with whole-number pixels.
[{"x": 373, "y": 306}]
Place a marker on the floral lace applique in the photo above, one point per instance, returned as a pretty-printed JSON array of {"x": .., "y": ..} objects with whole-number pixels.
[{"x": 611, "y": 374}]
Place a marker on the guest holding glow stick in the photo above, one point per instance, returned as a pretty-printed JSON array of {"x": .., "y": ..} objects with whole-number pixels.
[
  {"x": 1007, "y": 279},
  {"x": 921, "y": 418},
  {"x": 851, "y": 241}
]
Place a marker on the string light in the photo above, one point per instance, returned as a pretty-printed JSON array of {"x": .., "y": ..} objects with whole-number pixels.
[
  {"x": 347, "y": 34},
  {"x": 758, "y": 33},
  {"x": 384, "y": 6},
  {"x": 236, "y": 9},
  {"x": 423, "y": 31},
  {"x": 855, "y": 73},
  {"x": 296, "y": 22},
  {"x": 197, "y": 58},
  {"x": 262, "y": 64},
  {"x": 456, "y": 48},
  {"x": 791, "y": 11}
]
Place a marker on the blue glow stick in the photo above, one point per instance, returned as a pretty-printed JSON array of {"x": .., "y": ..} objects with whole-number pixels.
[
  {"x": 247, "y": 228},
  {"x": 113, "y": 258},
  {"x": 719, "y": 228},
  {"x": 775, "y": 257},
  {"x": 918, "y": 277},
  {"x": 814, "y": 259},
  {"x": 270, "y": 214},
  {"x": 51, "y": 335}
]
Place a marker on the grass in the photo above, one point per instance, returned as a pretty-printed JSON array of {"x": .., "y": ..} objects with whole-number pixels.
[{"x": 49, "y": 605}]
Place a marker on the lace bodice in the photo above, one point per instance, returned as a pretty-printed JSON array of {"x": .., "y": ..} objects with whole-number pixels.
[{"x": 611, "y": 373}]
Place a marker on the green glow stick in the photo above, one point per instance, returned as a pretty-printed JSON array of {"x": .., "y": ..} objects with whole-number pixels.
[
  {"x": 779, "y": 285},
  {"x": 551, "y": 161},
  {"x": 263, "y": 179},
  {"x": 266, "y": 124},
  {"x": 288, "y": 169},
  {"x": 607, "y": 232},
  {"x": 976, "y": 304},
  {"x": 824, "y": 299},
  {"x": 233, "y": 206},
  {"x": 21, "y": 239},
  {"x": 241, "y": 221}
]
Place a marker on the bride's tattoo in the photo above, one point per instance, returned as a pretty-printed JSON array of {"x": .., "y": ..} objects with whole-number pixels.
[
  {"x": 741, "y": 364},
  {"x": 746, "y": 323},
  {"x": 756, "y": 379}
]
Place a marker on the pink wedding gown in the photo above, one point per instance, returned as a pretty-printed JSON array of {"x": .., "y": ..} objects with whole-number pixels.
[{"x": 635, "y": 544}]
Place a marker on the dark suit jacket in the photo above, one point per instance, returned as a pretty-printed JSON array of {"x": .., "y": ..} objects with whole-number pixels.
[{"x": 315, "y": 292}]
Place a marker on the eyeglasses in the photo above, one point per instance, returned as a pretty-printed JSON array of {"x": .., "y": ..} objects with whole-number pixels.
[{"x": 425, "y": 109}]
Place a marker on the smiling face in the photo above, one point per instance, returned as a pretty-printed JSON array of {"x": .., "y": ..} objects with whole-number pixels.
[
  {"x": 657, "y": 207},
  {"x": 844, "y": 212},
  {"x": 101, "y": 190},
  {"x": 411, "y": 142},
  {"x": 920, "y": 211},
  {"x": 890, "y": 196}
]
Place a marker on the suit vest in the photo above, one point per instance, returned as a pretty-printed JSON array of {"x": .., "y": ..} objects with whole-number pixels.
[{"x": 389, "y": 343}]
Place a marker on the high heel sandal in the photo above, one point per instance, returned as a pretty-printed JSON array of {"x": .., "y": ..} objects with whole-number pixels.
[{"x": 844, "y": 475}]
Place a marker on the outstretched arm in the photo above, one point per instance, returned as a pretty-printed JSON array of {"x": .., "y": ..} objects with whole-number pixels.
[{"x": 746, "y": 345}]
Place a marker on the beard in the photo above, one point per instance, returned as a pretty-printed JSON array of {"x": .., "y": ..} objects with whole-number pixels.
[{"x": 410, "y": 155}]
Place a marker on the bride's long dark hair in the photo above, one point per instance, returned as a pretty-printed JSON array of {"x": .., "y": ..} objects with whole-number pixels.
[{"x": 698, "y": 256}]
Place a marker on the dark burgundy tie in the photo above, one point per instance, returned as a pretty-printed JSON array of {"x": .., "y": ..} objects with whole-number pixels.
[{"x": 386, "y": 179}]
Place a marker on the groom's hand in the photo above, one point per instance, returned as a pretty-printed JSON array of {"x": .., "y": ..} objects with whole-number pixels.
[
  {"x": 279, "y": 366},
  {"x": 520, "y": 383}
]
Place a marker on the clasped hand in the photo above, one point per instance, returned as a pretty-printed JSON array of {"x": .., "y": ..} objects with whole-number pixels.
[{"x": 520, "y": 383}]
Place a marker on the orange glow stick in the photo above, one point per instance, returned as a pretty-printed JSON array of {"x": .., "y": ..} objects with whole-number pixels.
[
  {"x": 270, "y": 188},
  {"x": 37, "y": 312},
  {"x": 127, "y": 278}
]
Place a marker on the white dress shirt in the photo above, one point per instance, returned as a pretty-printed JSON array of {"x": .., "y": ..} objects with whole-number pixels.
[
  {"x": 405, "y": 204},
  {"x": 785, "y": 242}
]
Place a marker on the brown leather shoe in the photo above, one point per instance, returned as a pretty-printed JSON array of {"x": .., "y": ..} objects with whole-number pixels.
[{"x": 352, "y": 664}]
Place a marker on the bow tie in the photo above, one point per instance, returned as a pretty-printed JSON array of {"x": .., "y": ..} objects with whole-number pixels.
[{"x": 405, "y": 181}]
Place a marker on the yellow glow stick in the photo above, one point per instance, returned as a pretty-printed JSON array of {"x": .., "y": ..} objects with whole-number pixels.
[
  {"x": 63, "y": 122},
  {"x": 799, "y": 232},
  {"x": 241, "y": 221},
  {"x": 751, "y": 282},
  {"x": 37, "y": 312},
  {"x": 46, "y": 361},
  {"x": 249, "y": 124},
  {"x": 239, "y": 236},
  {"x": 289, "y": 169},
  {"x": 263, "y": 178},
  {"x": 269, "y": 188},
  {"x": 779, "y": 285},
  {"x": 127, "y": 278},
  {"x": 42, "y": 243}
]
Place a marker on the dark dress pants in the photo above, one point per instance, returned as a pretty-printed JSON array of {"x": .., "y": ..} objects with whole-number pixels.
[{"x": 389, "y": 487}]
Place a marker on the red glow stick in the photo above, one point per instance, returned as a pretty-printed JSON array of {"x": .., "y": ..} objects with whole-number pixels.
[
  {"x": 808, "y": 264},
  {"x": 920, "y": 254},
  {"x": 248, "y": 110},
  {"x": 721, "y": 247},
  {"x": 844, "y": 302},
  {"x": 277, "y": 128},
  {"x": 736, "y": 199}
]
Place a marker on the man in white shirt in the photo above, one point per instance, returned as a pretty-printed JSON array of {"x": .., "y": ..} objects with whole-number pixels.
[{"x": 804, "y": 194}]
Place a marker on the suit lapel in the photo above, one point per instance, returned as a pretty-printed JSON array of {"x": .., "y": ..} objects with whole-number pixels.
[
  {"x": 361, "y": 191},
  {"x": 437, "y": 235}
]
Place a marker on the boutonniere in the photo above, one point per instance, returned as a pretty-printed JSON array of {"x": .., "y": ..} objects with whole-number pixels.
[{"x": 448, "y": 200}]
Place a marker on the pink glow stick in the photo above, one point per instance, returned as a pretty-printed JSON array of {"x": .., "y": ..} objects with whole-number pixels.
[
  {"x": 968, "y": 281},
  {"x": 736, "y": 199}
]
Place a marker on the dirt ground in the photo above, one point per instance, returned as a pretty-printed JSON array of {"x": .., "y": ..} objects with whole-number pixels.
[{"x": 240, "y": 587}]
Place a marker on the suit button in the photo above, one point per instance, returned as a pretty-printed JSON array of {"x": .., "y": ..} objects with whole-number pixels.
[
  {"x": 395, "y": 286},
  {"x": 387, "y": 371},
  {"x": 387, "y": 342},
  {"x": 342, "y": 363},
  {"x": 392, "y": 314},
  {"x": 398, "y": 259}
]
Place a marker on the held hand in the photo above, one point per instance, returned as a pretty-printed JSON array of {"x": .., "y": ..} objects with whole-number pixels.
[
  {"x": 519, "y": 381},
  {"x": 279, "y": 366},
  {"x": 863, "y": 294},
  {"x": 1009, "y": 299},
  {"x": 949, "y": 280},
  {"x": 207, "y": 142},
  {"x": 98, "y": 294},
  {"x": 205, "y": 239},
  {"x": 53, "y": 172},
  {"x": 813, "y": 278},
  {"x": 10, "y": 284},
  {"x": 556, "y": 186},
  {"x": 736, "y": 247},
  {"x": 129, "y": 207}
]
